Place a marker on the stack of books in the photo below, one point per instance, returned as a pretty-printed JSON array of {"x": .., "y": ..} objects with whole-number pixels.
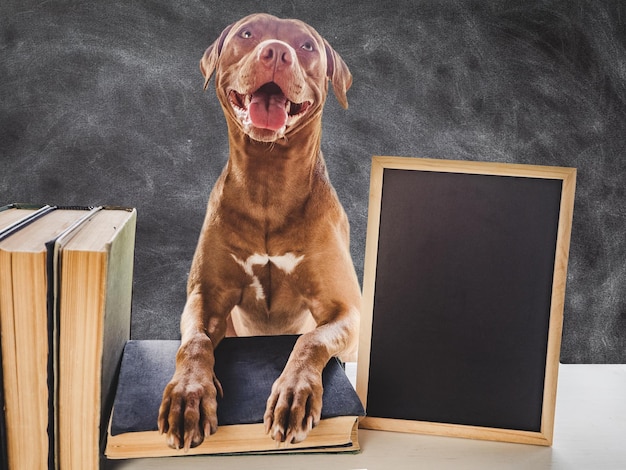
[{"x": 65, "y": 304}]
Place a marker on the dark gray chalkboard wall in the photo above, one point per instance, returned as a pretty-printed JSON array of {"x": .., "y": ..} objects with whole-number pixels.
[{"x": 102, "y": 102}]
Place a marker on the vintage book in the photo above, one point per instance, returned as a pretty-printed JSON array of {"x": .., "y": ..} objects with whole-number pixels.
[
  {"x": 59, "y": 311},
  {"x": 94, "y": 305},
  {"x": 11, "y": 217},
  {"x": 25, "y": 345},
  {"x": 246, "y": 368}
]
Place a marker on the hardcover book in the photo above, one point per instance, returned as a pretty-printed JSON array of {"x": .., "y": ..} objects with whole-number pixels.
[
  {"x": 12, "y": 217},
  {"x": 94, "y": 306},
  {"x": 246, "y": 367}
]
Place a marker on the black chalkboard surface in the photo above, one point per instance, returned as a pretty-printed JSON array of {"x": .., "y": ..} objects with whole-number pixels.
[{"x": 464, "y": 286}]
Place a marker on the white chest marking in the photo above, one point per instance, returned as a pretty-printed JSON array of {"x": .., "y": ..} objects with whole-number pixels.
[{"x": 286, "y": 263}]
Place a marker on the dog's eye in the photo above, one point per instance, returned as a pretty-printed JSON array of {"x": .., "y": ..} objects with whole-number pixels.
[
  {"x": 246, "y": 34},
  {"x": 307, "y": 46}
]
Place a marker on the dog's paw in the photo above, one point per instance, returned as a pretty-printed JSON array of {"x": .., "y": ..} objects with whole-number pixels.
[
  {"x": 294, "y": 406},
  {"x": 188, "y": 411}
]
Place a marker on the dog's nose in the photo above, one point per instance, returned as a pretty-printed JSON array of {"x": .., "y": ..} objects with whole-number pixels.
[{"x": 276, "y": 55}]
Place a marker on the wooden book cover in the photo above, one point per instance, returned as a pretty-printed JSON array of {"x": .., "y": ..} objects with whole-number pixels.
[
  {"x": 246, "y": 368},
  {"x": 25, "y": 345},
  {"x": 95, "y": 272}
]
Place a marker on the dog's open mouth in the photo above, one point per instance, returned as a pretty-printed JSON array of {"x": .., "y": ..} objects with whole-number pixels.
[{"x": 267, "y": 108}]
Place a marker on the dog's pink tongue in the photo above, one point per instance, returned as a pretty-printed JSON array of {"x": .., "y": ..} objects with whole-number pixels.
[{"x": 267, "y": 110}]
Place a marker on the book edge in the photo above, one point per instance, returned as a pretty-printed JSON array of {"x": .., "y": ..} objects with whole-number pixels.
[{"x": 236, "y": 439}]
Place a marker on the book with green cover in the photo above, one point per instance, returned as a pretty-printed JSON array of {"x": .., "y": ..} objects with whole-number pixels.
[{"x": 246, "y": 367}]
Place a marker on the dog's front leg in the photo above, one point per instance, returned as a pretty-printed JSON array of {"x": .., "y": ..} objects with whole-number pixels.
[
  {"x": 188, "y": 412},
  {"x": 295, "y": 403}
]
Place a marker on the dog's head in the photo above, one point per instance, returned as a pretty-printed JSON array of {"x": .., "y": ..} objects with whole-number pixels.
[{"x": 272, "y": 75}]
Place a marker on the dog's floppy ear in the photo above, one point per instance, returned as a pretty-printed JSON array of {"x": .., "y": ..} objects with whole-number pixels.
[
  {"x": 338, "y": 73},
  {"x": 209, "y": 59}
]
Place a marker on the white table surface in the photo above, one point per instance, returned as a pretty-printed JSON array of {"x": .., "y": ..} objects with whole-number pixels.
[{"x": 589, "y": 433}]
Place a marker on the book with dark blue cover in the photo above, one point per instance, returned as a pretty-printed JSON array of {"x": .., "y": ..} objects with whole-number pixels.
[{"x": 246, "y": 367}]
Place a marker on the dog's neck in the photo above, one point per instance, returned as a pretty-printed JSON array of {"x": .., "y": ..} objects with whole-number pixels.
[{"x": 276, "y": 177}]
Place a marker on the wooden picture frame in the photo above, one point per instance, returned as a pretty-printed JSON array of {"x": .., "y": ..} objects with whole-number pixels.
[{"x": 463, "y": 296}]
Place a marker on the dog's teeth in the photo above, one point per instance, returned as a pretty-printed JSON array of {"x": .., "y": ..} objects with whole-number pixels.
[{"x": 247, "y": 100}]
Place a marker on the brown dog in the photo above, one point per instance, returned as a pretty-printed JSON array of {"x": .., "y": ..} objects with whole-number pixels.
[{"x": 273, "y": 255}]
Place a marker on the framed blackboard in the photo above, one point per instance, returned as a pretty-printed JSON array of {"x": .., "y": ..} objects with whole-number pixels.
[{"x": 463, "y": 294}]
